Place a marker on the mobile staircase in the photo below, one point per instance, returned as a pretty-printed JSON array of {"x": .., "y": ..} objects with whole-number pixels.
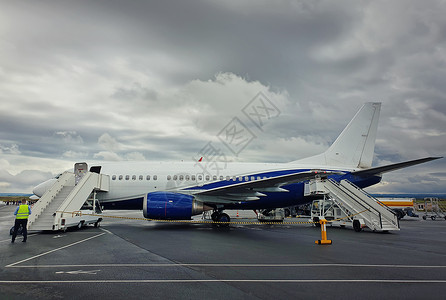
[
  {"x": 60, "y": 206},
  {"x": 360, "y": 207}
]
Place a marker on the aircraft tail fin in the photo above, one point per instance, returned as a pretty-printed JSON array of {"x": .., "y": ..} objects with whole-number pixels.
[{"x": 355, "y": 146}]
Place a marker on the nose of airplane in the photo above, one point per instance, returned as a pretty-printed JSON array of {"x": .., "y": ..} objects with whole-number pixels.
[{"x": 41, "y": 189}]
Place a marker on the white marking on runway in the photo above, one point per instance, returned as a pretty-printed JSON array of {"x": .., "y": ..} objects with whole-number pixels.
[
  {"x": 403, "y": 281},
  {"x": 106, "y": 230},
  {"x": 231, "y": 265},
  {"x": 54, "y": 250},
  {"x": 94, "y": 272}
]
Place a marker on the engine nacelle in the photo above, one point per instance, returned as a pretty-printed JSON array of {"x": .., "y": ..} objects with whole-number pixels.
[{"x": 171, "y": 206}]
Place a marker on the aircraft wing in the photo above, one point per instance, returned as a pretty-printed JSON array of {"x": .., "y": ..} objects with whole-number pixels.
[
  {"x": 392, "y": 167},
  {"x": 252, "y": 190}
]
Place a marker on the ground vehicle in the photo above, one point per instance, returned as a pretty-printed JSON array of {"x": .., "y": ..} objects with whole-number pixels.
[
  {"x": 327, "y": 209},
  {"x": 86, "y": 216},
  {"x": 401, "y": 206},
  {"x": 432, "y": 208}
]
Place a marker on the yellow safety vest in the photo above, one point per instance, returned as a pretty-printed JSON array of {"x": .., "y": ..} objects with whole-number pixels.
[{"x": 23, "y": 212}]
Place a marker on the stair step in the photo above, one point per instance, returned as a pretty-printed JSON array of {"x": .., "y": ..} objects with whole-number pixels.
[
  {"x": 46, "y": 218},
  {"x": 355, "y": 200}
]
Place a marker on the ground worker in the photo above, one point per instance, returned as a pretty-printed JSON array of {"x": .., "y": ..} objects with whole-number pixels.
[{"x": 22, "y": 213}]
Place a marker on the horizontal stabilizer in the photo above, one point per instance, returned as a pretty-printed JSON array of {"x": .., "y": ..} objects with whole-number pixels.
[{"x": 392, "y": 167}]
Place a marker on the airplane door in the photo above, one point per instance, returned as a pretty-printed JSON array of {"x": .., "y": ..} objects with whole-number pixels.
[
  {"x": 96, "y": 169},
  {"x": 79, "y": 171}
]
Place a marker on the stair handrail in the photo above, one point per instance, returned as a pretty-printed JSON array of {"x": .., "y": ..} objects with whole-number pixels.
[
  {"x": 373, "y": 213},
  {"x": 376, "y": 204},
  {"x": 40, "y": 206},
  {"x": 89, "y": 182}
]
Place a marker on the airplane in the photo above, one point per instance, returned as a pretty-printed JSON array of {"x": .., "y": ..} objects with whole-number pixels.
[{"x": 180, "y": 190}]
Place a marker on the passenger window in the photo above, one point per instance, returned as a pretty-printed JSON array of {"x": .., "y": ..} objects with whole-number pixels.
[
  {"x": 181, "y": 177},
  {"x": 187, "y": 177},
  {"x": 228, "y": 178},
  {"x": 114, "y": 177},
  {"x": 200, "y": 177},
  {"x": 208, "y": 177},
  {"x": 193, "y": 177},
  {"x": 169, "y": 177},
  {"x": 120, "y": 177},
  {"x": 214, "y": 177},
  {"x": 221, "y": 177},
  {"x": 127, "y": 177},
  {"x": 134, "y": 177},
  {"x": 155, "y": 177},
  {"x": 175, "y": 177},
  {"x": 148, "y": 177},
  {"x": 141, "y": 177}
]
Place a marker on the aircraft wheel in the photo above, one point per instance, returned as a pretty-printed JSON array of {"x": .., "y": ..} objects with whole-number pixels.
[
  {"x": 424, "y": 217},
  {"x": 214, "y": 216},
  {"x": 224, "y": 218}
]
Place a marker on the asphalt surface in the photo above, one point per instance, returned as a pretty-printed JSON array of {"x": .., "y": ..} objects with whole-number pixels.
[{"x": 132, "y": 259}]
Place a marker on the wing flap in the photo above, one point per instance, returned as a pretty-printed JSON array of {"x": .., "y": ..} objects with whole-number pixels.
[{"x": 252, "y": 190}]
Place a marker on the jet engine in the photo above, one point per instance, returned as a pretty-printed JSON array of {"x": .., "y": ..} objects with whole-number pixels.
[{"x": 171, "y": 206}]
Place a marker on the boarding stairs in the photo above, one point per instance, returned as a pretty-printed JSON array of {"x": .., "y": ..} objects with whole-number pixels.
[
  {"x": 67, "y": 195},
  {"x": 356, "y": 203}
]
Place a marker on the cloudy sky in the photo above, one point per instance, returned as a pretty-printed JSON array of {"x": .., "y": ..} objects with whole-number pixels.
[{"x": 158, "y": 80}]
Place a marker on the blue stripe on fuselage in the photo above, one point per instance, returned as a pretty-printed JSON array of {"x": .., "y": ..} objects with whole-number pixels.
[
  {"x": 295, "y": 196},
  {"x": 230, "y": 182}
]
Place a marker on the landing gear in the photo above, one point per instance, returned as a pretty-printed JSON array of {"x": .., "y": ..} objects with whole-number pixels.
[
  {"x": 219, "y": 216},
  {"x": 224, "y": 218},
  {"x": 214, "y": 216}
]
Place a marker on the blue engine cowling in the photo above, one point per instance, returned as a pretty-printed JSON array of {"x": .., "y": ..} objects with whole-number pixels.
[{"x": 170, "y": 206}]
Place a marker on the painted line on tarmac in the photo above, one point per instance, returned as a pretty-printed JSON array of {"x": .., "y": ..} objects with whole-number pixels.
[
  {"x": 233, "y": 265},
  {"x": 54, "y": 250},
  {"x": 398, "y": 281},
  {"x": 108, "y": 231}
]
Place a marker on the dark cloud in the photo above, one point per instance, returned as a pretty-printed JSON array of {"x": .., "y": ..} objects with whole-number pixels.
[{"x": 162, "y": 78}]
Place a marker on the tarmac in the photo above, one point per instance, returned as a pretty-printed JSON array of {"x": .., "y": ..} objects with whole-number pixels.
[{"x": 132, "y": 259}]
